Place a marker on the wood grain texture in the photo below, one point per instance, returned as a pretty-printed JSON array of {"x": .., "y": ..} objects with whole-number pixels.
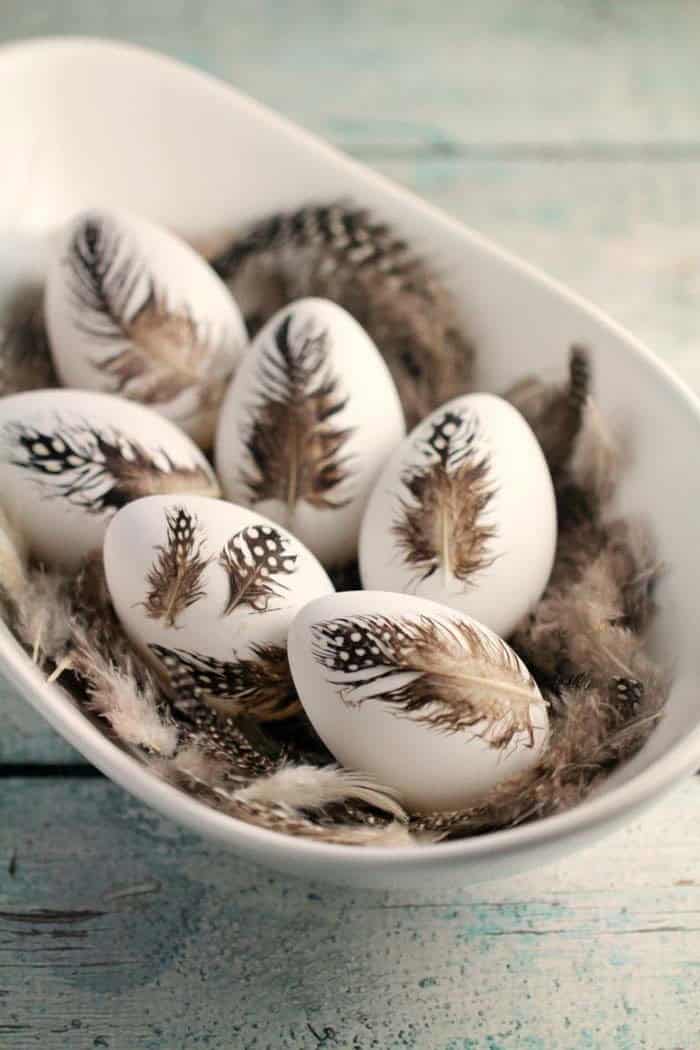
[{"x": 144, "y": 936}]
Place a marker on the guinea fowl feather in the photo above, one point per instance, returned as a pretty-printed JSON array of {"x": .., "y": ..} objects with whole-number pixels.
[
  {"x": 98, "y": 468},
  {"x": 255, "y": 560},
  {"x": 295, "y": 447},
  {"x": 259, "y": 685},
  {"x": 340, "y": 252},
  {"x": 175, "y": 578},
  {"x": 441, "y": 522},
  {"x": 445, "y": 674}
]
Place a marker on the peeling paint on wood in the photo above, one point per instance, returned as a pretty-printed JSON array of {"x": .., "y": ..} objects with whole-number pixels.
[{"x": 151, "y": 938}]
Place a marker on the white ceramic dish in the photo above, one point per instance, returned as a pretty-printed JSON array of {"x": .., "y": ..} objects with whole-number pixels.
[{"x": 87, "y": 122}]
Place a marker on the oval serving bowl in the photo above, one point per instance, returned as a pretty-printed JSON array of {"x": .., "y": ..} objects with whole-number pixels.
[{"x": 86, "y": 123}]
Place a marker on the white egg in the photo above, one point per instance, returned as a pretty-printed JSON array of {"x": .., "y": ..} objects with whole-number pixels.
[
  {"x": 206, "y": 591},
  {"x": 69, "y": 459},
  {"x": 425, "y": 699},
  {"x": 307, "y": 424},
  {"x": 464, "y": 513},
  {"x": 133, "y": 310}
]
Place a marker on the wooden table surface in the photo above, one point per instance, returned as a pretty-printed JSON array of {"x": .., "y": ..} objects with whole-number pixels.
[{"x": 571, "y": 135}]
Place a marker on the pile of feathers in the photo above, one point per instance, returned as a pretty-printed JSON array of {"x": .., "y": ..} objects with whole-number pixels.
[{"x": 584, "y": 642}]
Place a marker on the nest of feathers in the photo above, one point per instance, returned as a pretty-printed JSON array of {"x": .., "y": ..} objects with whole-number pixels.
[{"x": 585, "y": 642}]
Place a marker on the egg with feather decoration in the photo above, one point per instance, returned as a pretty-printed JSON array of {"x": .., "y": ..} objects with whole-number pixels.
[
  {"x": 308, "y": 422},
  {"x": 70, "y": 459},
  {"x": 206, "y": 592},
  {"x": 432, "y": 703},
  {"x": 131, "y": 309},
  {"x": 464, "y": 513}
]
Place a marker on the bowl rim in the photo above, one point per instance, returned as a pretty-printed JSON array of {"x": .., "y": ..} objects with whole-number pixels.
[{"x": 599, "y": 811}]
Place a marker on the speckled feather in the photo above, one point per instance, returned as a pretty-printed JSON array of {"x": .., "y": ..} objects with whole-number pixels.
[{"x": 340, "y": 252}]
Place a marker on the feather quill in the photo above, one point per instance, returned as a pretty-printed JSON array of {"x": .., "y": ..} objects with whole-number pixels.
[
  {"x": 340, "y": 252},
  {"x": 459, "y": 677},
  {"x": 99, "y": 469},
  {"x": 159, "y": 350},
  {"x": 259, "y": 686},
  {"x": 294, "y": 444},
  {"x": 175, "y": 578},
  {"x": 256, "y": 559},
  {"x": 440, "y": 522}
]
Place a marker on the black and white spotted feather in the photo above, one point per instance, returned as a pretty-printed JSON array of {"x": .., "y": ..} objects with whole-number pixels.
[
  {"x": 256, "y": 560},
  {"x": 259, "y": 685},
  {"x": 449, "y": 675},
  {"x": 441, "y": 520},
  {"x": 175, "y": 577},
  {"x": 98, "y": 468}
]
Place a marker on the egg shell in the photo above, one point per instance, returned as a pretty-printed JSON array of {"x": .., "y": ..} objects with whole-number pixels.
[
  {"x": 69, "y": 459},
  {"x": 202, "y": 619},
  {"x": 307, "y": 424},
  {"x": 433, "y": 766},
  {"x": 132, "y": 309},
  {"x": 474, "y": 454}
]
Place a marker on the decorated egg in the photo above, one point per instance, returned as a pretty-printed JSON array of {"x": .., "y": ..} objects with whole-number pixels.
[
  {"x": 422, "y": 697},
  {"x": 70, "y": 459},
  {"x": 464, "y": 513},
  {"x": 206, "y": 591},
  {"x": 307, "y": 424},
  {"x": 133, "y": 310}
]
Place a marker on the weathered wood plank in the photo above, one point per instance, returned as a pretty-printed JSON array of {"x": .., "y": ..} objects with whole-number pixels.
[
  {"x": 627, "y": 236},
  {"x": 144, "y": 936},
  {"x": 620, "y": 73}
]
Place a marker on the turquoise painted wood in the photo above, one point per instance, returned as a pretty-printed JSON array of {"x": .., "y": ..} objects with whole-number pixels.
[
  {"x": 606, "y": 75},
  {"x": 570, "y": 134},
  {"x": 118, "y": 930}
]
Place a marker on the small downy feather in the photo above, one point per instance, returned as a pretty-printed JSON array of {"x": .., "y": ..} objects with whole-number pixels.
[
  {"x": 98, "y": 469},
  {"x": 13, "y": 563},
  {"x": 460, "y": 678},
  {"x": 25, "y": 357},
  {"x": 440, "y": 522},
  {"x": 128, "y": 703},
  {"x": 295, "y": 446},
  {"x": 340, "y": 252},
  {"x": 276, "y": 816},
  {"x": 259, "y": 685},
  {"x": 43, "y": 615},
  {"x": 256, "y": 560},
  {"x": 594, "y": 730},
  {"x": 175, "y": 578},
  {"x": 225, "y": 739},
  {"x": 159, "y": 350},
  {"x": 307, "y": 787},
  {"x": 556, "y": 412}
]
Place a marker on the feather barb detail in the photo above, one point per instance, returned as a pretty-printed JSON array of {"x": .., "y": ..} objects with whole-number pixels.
[
  {"x": 440, "y": 520},
  {"x": 458, "y": 677},
  {"x": 175, "y": 578}
]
